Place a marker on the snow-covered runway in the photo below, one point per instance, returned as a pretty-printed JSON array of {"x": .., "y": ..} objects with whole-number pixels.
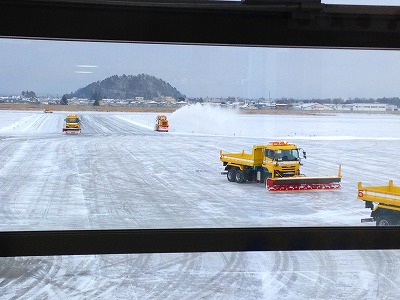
[{"x": 119, "y": 173}]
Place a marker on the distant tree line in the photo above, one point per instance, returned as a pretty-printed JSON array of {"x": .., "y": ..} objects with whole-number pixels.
[
  {"x": 64, "y": 100},
  {"x": 28, "y": 94},
  {"x": 96, "y": 97}
]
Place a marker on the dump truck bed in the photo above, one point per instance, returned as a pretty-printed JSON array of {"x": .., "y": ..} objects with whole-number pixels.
[
  {"x": 255, "y": 158},
  {"x": 238, "y": 158},
  {"x": 386, "y": 194}
]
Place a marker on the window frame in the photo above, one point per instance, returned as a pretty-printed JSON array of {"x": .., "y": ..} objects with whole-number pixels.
[{"x": 247, "y": 23}]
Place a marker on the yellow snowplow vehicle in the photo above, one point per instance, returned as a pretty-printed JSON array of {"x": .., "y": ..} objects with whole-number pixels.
[
  {"x": 278, "y": 165},
  {"x": 384, "y": 201},
  {"x": 161, "y": 123},
  {"x": 72, "y": 125}
]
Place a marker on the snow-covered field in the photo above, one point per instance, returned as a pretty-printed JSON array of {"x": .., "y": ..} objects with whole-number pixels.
[{"x": 119, "y": 173}]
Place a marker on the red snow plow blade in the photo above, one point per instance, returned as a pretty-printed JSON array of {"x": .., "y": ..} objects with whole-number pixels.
[
  {"x": 303, "y": 183},
  {"x": 163, "y": 128},
  {"x": 72, "y": 130}
]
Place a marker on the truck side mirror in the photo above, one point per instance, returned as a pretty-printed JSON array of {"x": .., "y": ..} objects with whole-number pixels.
[{"x": 304, "y": 154}]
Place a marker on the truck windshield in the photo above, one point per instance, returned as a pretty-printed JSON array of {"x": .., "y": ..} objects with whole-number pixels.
[
  {"x": 287, "y": 155},
  {"x": 72, "y": 120}
]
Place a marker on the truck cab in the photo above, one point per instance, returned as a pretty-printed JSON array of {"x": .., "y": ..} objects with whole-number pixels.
[{"x": 282, "y": 159}]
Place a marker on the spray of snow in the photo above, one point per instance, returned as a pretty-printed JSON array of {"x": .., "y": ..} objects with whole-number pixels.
[
  {"x": 205, "y": 119},
  {"x": 215, "y": 120}
]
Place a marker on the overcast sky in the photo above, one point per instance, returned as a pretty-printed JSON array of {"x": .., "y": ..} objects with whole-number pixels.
[{"x": 54, "y": 67}]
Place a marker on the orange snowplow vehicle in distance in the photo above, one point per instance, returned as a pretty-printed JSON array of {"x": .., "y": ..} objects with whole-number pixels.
[{"x": 161, "y": 123}]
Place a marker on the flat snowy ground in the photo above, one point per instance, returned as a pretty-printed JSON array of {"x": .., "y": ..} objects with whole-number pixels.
[{"x": 119, "y": 173}]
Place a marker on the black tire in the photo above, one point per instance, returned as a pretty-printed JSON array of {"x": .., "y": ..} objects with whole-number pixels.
[
  {"x": 385, "y": 221},
  {"x": 231, "y": 175},
  {"x": 239, "y": 176},
  {"x": 265, "y": 176}
]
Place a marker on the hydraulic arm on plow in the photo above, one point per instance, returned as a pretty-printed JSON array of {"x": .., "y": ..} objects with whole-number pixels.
[{"x": 278, "y": 165}]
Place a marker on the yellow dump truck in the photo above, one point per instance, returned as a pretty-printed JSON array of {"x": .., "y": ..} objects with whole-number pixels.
[
  {"x": 72, "y": 125},
  {"x": 384, "y": 201},
  {"x": 161, "y": 123},
  {"x": 278, "y": 165}
]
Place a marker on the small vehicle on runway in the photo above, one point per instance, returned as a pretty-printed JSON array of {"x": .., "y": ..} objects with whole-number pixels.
[
  {"x": 161, "y": 123},
  {"x": 72, "y": 125}
]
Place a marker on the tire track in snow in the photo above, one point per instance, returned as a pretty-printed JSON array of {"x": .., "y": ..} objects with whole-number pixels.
[
  {"x": 30, "y": 275},
  {"x": 326, "y": 276},
  {"x": 383, "y": 268},
  {"x": 230, "y": 281},
  {"x": 177, "y": 276},
  {"x": 18, "y": 175},
  {"x": 284, "y": 273},
  {"x": 111, "y": 125},
  {"x": 119, "y": 276}
]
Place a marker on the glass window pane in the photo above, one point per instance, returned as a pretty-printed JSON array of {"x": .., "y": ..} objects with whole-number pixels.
[{"x": 104, "y": 160}]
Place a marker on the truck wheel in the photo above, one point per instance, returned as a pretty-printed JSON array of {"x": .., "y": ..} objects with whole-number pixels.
[
  {"x": 385, "y": 221},
  {"x": 239, "y": 176},
  {"x": 231, "y": 175}
]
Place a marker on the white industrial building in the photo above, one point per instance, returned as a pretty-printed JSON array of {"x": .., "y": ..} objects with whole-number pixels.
[{"x": 370, "y": 107}]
